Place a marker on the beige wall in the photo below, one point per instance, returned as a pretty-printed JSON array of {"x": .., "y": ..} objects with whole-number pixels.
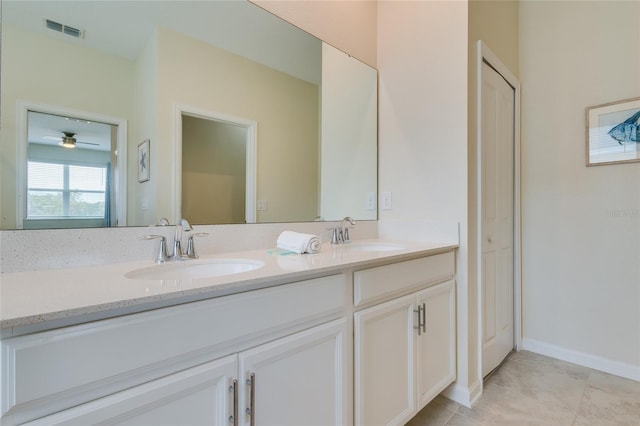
[
  {"x": 43, "y": 70},
  {"x": 195, "y": 74},
  {"x": 348, "y": 25},
  {"x": 422, "y": 61},
  {"x": 213, "y": 171},
  {"x": 581, "y": 225},
  {"x": 495, "y": 22},
  {"x": 141, "y": 196}
]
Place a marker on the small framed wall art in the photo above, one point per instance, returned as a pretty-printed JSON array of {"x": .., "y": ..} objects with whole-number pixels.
[
  {"x": 613, "y": 132},
  {"x": 143, "y": 161}
]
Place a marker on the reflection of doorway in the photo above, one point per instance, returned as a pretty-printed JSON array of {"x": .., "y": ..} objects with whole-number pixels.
[
  {"x": 69, "y": 172},
  {"x": 213, "y": 171},
  {"x": 216, "y": 168}
]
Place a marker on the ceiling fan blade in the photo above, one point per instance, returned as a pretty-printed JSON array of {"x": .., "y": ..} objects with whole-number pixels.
[{"x": 88, "y": 143}]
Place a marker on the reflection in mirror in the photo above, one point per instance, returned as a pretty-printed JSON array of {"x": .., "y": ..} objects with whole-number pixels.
[
  {"x": 69, "y": 172},
  {"x": 214, "y": 170},
  {"x": 312, "y": 108}
]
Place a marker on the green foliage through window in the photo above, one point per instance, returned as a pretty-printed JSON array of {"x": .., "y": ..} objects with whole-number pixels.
[{"x": 65, "y": 190}]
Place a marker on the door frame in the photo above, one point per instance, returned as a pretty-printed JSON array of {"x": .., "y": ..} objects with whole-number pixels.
[
  {"x": 24, "y": 106},
  {"x": 485, "y": 55},
  {"x": 251, "y": 155}
]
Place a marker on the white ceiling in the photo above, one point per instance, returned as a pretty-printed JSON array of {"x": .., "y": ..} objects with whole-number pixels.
[{"x": 47, "y": 129}]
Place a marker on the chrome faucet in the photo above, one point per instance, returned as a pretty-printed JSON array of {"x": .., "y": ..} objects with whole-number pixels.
[
  {"x": 341, "y": 235},
  {"x": 182, "y": 226},
  {"x": 162, "y": 255},
  {"x": 177, "y": 254},
  {"x": 191, "y": 248}
]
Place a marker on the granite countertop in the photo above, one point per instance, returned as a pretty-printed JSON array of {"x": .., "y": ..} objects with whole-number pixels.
[{"x": 76, "y": 295}]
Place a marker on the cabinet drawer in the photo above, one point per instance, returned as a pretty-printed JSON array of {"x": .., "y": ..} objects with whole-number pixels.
[
  {"x": 377, "y": 283},
  {"x": 56, "y": 369}
]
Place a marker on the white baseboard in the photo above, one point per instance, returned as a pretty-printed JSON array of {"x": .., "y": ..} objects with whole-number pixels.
[
  {"x": 622, "y": 369},
  {"x": 462, "y": 395}
]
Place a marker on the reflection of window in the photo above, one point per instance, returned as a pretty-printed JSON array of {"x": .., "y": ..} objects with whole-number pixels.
[{"x": 65, "y": 190}]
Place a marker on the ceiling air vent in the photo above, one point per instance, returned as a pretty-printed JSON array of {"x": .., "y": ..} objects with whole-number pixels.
[{"x": 62, "y": 28}]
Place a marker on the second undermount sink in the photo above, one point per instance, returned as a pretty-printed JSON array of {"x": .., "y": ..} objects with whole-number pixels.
[
  {"x": 374, "y": 246},
  {"x": 192, "y": 269}
]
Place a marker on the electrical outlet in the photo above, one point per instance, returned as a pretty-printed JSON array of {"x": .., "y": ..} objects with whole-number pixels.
[
  {"x": 370, "y": 203},
  {"x": 385, "y": 201},
  {"x": 262, "y": 205}
]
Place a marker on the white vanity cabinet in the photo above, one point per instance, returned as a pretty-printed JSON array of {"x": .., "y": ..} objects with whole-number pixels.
[
  {"x": 404, "y": 343},
  {"x": 294, "y": 380},
  {"x": 177, "y": 365},
  {"x": 369, "y": 340}
]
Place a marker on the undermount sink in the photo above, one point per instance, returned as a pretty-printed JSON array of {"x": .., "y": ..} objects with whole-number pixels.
[
  {"x": 192, "y": 269},
  {"x": 375, "y": 246}
]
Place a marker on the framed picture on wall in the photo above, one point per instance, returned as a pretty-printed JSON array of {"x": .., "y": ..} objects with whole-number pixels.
[
  {"x": 613, "y": 132},
  {"x": 143, "y": 161}
]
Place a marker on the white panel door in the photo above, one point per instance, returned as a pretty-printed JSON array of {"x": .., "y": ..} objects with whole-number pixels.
[
  {"x": 384, "y": 363},
  {"x": 497, "y": 211},
  {"x": 197, "y": 396},
  {"x": 298, "y": 380},
  {"x": 436, "y": 359}
]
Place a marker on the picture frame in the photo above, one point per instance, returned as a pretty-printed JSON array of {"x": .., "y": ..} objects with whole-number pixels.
[
  {"x": 613, "y": 132},
  {"x": 143, "y": 161}
]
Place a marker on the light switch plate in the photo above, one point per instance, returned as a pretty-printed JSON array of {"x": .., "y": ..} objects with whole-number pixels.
[
  {"x": 385, "y": 200},
  {"x": 370, "y": 203}
]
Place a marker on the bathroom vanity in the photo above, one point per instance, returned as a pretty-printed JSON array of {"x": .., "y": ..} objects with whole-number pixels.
[{"x": 356, "y": 334}]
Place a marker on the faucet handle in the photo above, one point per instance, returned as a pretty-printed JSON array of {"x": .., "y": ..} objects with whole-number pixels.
[
  {"x": 191, "y": 250},
  {"x": 345, "y": 229},
  {"x": 162, "y": 251},
  {"x": 334, "y": 235}
]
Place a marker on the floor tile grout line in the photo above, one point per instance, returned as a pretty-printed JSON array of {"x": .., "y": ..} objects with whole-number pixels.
[{"x": 575, "y": 415}]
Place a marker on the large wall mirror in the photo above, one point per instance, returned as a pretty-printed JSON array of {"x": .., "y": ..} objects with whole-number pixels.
[{"x": 120, "y": 113}]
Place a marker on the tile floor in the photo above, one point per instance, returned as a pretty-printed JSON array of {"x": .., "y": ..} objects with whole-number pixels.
[{"x": 531, "y": 389}]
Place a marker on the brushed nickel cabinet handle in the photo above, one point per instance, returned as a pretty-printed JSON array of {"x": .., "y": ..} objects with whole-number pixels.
[
  {"x": 251, "y": 410},
  {"x": 234, "y": 416},
  {"x": 424, "y": 318},
  {"x": 419, "y": 326}
]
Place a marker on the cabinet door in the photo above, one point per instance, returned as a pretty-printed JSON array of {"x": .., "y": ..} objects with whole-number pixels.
[
  {"x": 298, "y": 380},
  {"x": 384, "y": 363},
  {"x": 197, "y": 396},
  {"x": 436, "y": 346}
]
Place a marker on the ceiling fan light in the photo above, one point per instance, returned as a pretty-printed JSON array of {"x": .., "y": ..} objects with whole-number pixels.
[{"x": 68, "y": 142}]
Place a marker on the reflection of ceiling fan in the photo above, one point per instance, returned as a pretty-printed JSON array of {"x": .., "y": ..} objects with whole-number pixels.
[{"x": 69, "y": 140}]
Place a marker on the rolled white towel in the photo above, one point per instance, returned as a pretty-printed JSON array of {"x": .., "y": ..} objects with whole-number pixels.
[{"x": 298, "y": 242}]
